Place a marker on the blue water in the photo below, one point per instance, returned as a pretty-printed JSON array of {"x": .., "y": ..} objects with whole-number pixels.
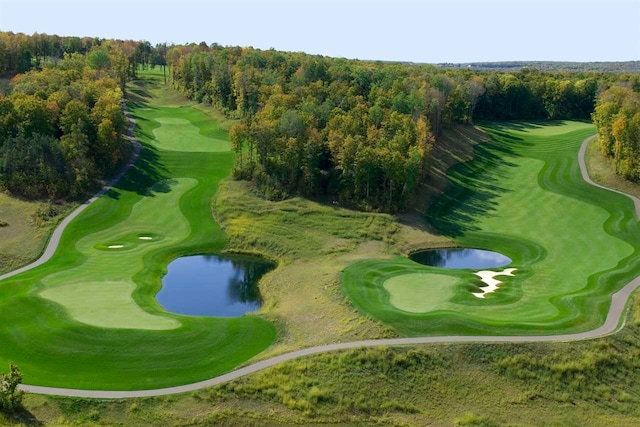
[
  {"x": 476, "y": 259},
  {"x": 213, "y": 285}
]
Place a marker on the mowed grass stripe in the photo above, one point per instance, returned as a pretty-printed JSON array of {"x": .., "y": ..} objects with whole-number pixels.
[
  {"x": 573, "y": 244},
  {"x": 182, "y": 128},
  {"x": 166, "y": 194}
]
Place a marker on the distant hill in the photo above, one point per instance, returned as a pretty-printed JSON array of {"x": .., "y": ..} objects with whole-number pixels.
[{"x": 613, "y": 67}]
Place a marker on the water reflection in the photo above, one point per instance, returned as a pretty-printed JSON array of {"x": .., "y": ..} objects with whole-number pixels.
[
  {"x": 213, "y": 285},
  {"x": 460, "y": 258}
]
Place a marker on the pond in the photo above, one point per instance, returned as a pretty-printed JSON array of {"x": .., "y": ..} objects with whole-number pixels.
[
  {"x": 213, "y": 285},
  {"x": 460, "y": 258}
]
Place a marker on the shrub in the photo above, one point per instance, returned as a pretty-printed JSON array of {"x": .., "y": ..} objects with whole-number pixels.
[{"x": 10, "y": 395}]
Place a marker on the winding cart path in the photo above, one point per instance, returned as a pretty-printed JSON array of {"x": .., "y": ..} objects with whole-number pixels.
[{"x": 611, "y": 324}]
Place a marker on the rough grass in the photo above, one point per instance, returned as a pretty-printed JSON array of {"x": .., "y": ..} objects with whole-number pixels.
[
  {"x": 25, "y": 232},
  {"x": 313, "y": 243},
  {"x": 167, "y": 194},
  {"x": 594, "y": 383},
  {"x": 602, "y": 171},
  {"x": 573, "y": 245}
]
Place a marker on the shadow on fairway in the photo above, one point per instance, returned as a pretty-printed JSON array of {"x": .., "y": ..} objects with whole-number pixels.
[
  {"x": 475, "y": 186},
  {"x": 139, "y": 95},
  {"x": 525, "y": 126},
  {"x": 147, "y": 171}
]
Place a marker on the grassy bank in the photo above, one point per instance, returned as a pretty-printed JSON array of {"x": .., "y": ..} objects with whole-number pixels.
[
  {"x": 569, "y": 384},
  {"x": 602, "y": 171},
  {"x": 312, "y": 244},
  {"x": 25, "y": 227},
  {"x": 592, "y": 383}
]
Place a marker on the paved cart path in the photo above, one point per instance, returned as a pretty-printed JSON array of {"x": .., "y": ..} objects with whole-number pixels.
[
  {"x": 54, "y": 241},
  {"x": 618, "y": 304}
]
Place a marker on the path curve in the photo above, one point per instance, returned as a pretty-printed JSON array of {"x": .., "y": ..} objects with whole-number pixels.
[
  {"x": 52, "y": 245},
  {"x": 618, "y": 304}
]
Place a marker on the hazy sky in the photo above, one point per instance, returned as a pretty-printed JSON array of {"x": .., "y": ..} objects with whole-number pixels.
[{"x": 403, "y": 30}]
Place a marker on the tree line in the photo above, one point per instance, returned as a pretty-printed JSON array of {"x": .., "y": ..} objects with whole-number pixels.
[
  {"x": 359, "y": 132},
  {"x": 61, "y": 128},
  {"x": 20, "y": 53},
  {"x": 617, "y": 118}
]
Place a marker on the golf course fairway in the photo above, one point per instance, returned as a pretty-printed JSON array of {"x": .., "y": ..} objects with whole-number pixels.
[
  {"x": 88, "y": 318},
  {"x": 572, "y": 245}
]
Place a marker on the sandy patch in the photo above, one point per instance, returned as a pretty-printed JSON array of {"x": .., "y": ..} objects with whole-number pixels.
[
  {"x": 488, "y": 277},
  {"x": 115, "y": 246}
]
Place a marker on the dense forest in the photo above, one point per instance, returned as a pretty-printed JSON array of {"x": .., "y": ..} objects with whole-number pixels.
[
  {"x": 359, "y": 132},
  {"x": 356, "y": 131},
  {"x": 61, "y": 124},
  {"x": 515, "y": 66},
  {"x": 20, "y": 53},
  {"x": 617, "y": 118}
]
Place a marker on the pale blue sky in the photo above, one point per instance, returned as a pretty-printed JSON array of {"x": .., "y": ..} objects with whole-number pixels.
[{"x": 403, "y": 30}]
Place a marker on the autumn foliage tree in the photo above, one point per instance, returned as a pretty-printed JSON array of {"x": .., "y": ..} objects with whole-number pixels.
[
  {"x": 617, "y": 118},
  {"x": 61, "y": 129},
  {"x": 355, "y": 131}
]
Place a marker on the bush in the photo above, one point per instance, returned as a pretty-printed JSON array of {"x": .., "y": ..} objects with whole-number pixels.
[
  {"x": 474, "y": 420},
  {"x": 10, "y": 395},
  {"x": 45, "y": 213},
  {"x": 3, "y": 223}
]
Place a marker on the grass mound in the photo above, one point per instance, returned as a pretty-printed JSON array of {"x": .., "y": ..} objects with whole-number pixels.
[{"x": 573, "y": 245}]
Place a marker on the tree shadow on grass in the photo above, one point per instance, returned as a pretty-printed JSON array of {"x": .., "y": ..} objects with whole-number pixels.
[
  {"x": 138, "y": 95},
  {"x": 22, "y": 416},
  {"x": 524, "y": 126},
  {"x": 476, "y": 185},
  {"x": 147, "y": 171}
]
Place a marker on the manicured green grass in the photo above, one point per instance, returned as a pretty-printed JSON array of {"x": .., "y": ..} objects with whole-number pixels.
[
  {"x": 195, "y": 132},
  {"x": 573, "y": 245},
  {"x": 586, "y": 383},
  {"x": 420, "y": 292},
  {"x": 106, "y": 305},
  {"x": 88, "y": 318}
]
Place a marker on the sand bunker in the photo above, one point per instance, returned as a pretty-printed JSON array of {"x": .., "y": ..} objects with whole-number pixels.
[
  {"x": 145, "y": 238},
  {"x": 115, "y": 246},
  {"x": 492, "y": 284}
]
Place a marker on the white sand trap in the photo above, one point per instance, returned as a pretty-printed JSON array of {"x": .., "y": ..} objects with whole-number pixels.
[
  {"x": 145, "y": 238},
  {"x": 115, "y": 246},
  {"x": 492, "y": 284}
]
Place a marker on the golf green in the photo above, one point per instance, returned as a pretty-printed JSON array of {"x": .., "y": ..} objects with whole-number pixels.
[
  {"x": 420, "y": 292},
  {"x": 88, "y": 318},
  {"x": 573, "y": 245}
]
